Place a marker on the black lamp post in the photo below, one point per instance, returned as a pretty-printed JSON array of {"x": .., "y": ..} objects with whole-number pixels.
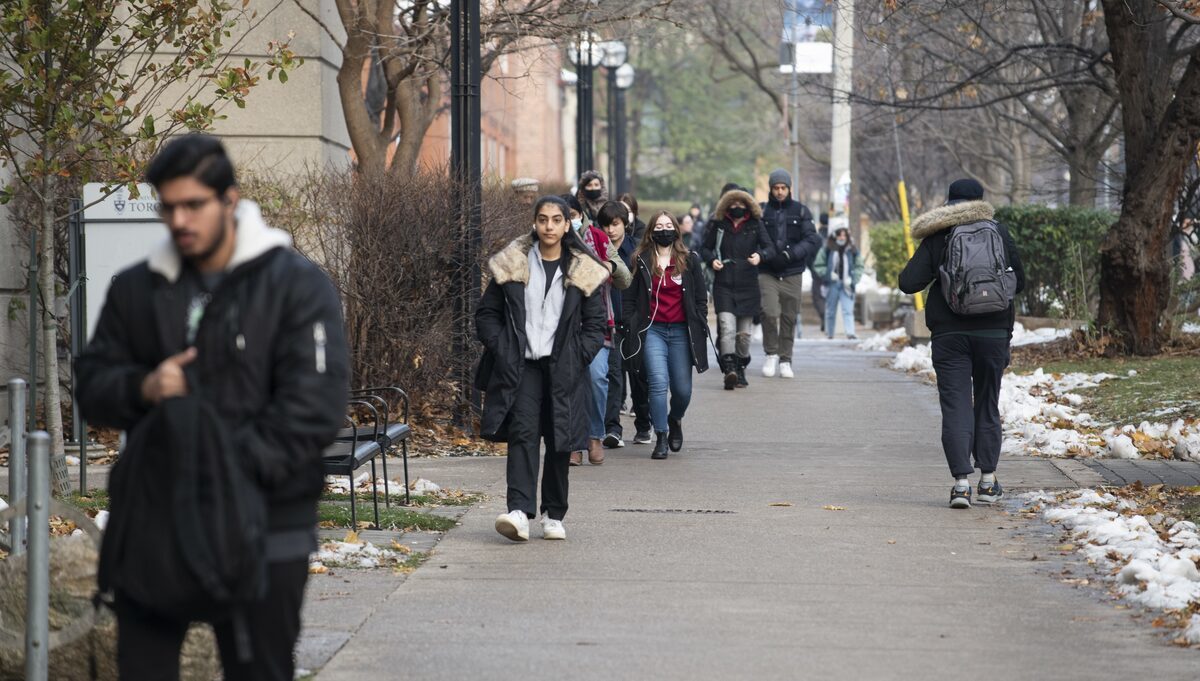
[
  {"x": 620, "y": 79},
  {"x": 586, "y": 55},
  {"x": 465, "y": 170}
]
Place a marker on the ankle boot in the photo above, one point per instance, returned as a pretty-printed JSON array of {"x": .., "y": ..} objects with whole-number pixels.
[
  {"x": 729, "y": 368},
  {"x": 742, "y": 363},
  {"x": 660, "y": 446}
]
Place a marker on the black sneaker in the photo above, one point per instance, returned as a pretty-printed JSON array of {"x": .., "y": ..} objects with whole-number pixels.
[
  {"x": 960, "y": 497},
  {"x": 674, "y": 435},
  {"x": 642, "y": 437},
  {"x": 989, "y": 494},
  {"x": 613, "y": 441}
]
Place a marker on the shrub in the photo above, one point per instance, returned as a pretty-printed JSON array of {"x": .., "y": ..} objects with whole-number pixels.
[
  {"x": 887, "y": 247},
  {"x": 391, "y": 246},
  {"x": 1060, "y": 249}
]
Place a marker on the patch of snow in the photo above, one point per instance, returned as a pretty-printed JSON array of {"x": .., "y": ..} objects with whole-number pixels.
[
  {"x": 3, "y": 504},
  {"x": 882, "y": 342},
  {"x": 917, "y": 360},
  {"x": 101, "y": 519},
  {"x": 353, "y": 554},
  {"x": 1032, "y": 337},
  {"x": 72, "y": 460},
  {"x": 1147, "y": 568},
  {"x": 423, "y": 486},
  {"x": 1191, "y": 327},
  {"x": 1121, "y": 447},
  {"x": 1192, "y": 634}
]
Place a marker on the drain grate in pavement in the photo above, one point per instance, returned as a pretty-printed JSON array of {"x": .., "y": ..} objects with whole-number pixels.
[{"x": 694, "y": 511}]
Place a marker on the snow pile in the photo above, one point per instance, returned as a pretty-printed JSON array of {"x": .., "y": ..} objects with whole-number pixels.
[
  {"x": 1033, "y": 337},
  {"x": 1152, "y": 560},
  {"x": 339, "y": 484},
  {"x": 1192, "y": 634},
  {"x": 3, "y": 504},
  {"x": 355, "y": 553},
  {"x": 1040, "y": 414},
  {"x": 72, "y": 460},
  {"x": 883, "y": 342},
  {"x": 869, "y": 284},
  {"x": 915, "y": 360},
  {"x": 1191, "y": 327},
  {"x": 423, "y": 486},
  {"x": 101, "y": 519}
]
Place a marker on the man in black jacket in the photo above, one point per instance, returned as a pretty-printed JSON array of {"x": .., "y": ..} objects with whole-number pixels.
[
  {"x": 970, "y": 352},
  {"x": 790, "y": 226},
  {"x": 224, "y": 309}
]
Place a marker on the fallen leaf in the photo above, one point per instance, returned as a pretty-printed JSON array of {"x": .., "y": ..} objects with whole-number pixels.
[
  {"x": 891, "y": 541},
  {"x": 317, "y": 569},
  {"x": 834, "y": 508},
  {"x": 397, "y": 546},
  {"x": 351, "y": 537}
]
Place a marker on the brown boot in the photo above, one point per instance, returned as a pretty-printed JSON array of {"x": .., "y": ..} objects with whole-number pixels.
[
  {"x": 576, "y": 458},
  {"x": 595, "y": 452}
]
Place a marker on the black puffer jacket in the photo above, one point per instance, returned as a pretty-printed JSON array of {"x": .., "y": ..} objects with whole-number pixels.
[
  {"x": 639, "y": 305},
  {"x": 500, "y": 326},
  {"x": 790, "y": 225},
  {"x": 271, "y": 357},
  {"x": 933, "y": 228},
  {"x": 735, "y": 287}
]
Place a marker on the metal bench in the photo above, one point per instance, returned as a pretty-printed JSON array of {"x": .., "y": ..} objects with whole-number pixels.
[{"x": 356, "y": 445}]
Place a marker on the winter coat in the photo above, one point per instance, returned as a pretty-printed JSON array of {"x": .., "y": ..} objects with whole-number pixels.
[
  {"x": 639, "y": 305},
  {"x": 735, "y": 287},
  {"x": 790, "y": 225},
  {"x": 500, "y": 326},
  {"x": 591, "y": 208},
  {"x": 933, "y": 228},
  {"x": 823, "y": 265},
  {"x": 271, "y": 358}
]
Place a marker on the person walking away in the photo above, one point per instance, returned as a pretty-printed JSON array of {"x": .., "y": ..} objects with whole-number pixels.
[
  {"x": 790, "y": 226},
  {"x": 541, "y": 321},
  {"x": 669, "y": 313},
  {"x": 975, "y": 270},
  {"x": 597, "y": 242},
  {"x": 224, "y": 348},
  {"x": 612, "y": 217},
  {"x": 735, "y": 243},
  {"x": 687, "y": 228},
  {"x": 840, "y": 268},
  {"x": 818, "y": 287}
]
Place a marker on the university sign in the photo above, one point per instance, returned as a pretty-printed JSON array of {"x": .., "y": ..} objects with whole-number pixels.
[{"x": 104, "y": 202}]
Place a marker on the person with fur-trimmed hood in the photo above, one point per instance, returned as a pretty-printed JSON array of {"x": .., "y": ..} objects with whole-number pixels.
[
  {"x": 735, "y": 243},
  {"x": 592, "y": 195},
  {"x": 970, "y": 352},
  {"x": 541, "y": 320}
]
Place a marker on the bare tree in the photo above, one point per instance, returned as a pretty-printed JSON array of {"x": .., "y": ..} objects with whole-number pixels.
[{"x": 405, "y": 47}]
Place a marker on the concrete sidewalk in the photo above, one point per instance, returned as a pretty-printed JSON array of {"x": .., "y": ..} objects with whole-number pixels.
[{"x": 896, "y": 586}]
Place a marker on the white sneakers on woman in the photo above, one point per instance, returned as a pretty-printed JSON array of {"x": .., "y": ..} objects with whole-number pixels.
[
  {"x": 515, "y": 526},
  {"x": 769, "y": 365}
]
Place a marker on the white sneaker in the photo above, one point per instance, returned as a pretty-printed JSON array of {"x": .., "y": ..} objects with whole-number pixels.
[
  {"x": 785, "y": 370},
  {"x": 553, "y": 529},
  {"x": 514, "y": 525},
  {"x": 769, "y": 365}
]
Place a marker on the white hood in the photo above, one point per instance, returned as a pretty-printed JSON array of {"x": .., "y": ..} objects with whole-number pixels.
[{"x": 253, "y": 236}]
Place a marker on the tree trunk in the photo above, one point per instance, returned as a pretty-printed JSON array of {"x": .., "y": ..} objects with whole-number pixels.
[
  {"x": 1161, "y": 123},
  {"x": 1083, "y": 185},
  {"x": 52, "y": 401}
]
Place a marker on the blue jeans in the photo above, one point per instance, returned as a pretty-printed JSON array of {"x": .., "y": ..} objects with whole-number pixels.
[
  {"x": 598, "y": 374},
  {"x": 668, "y": 361},
  {"x": 838, "y": 293}
]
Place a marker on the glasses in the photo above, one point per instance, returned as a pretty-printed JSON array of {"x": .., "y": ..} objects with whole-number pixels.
[{"x": 188, "y": 207}]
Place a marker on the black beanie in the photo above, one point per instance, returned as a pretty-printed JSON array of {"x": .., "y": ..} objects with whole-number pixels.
[{"x": 965, "y": 190}]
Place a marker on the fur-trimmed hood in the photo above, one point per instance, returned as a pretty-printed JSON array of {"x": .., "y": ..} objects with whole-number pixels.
[
  {"x": 737, "y": 195},
  {"x": 593, "y": 207},
  {"x": 253, "y": 238},
  {"x": 951, "y": 215},
  {"x": 512, "y": 264}
]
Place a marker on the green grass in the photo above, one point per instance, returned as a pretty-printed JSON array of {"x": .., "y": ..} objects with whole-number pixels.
[
  {"x": 394, "y": 518},
  {"x": 1161, "y": 383},
  {"x": 416, "y": 500},
  {"x": 96, "y": 500},
  {"x": 1190, "y": 510}
]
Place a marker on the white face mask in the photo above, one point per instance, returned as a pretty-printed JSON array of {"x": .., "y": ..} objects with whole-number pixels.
[
  {"x": 577, "y": 224},
  {"x": 841, "y": 242}
]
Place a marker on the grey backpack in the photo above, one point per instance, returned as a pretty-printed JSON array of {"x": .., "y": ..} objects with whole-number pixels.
[{"x": 975, "y": 274}]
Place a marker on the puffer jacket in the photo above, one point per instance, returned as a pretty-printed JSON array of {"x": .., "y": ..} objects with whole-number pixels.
[{"x": 735, "y": 286}]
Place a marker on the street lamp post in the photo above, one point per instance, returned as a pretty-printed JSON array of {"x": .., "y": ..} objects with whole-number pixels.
[
  {"x": 621, "y": 79},
  {"x": 614, "y": 54},
  {"x": 586, "y": 55},
  {"x": 465, "y": 167}
]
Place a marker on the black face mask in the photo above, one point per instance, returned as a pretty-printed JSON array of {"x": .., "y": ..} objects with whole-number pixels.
[
  {"x": 593, "y": 194},
  {"x": 664, "y": 237},
  {"x": 737, "y": 212}
]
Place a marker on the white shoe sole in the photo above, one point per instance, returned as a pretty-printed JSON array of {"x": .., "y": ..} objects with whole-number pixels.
[
  {"x": 960, "y": 503},
  {"x": 989, "y": 499},
  {"x": 554, "y": 536},
  {"x": 506, "y": 527}
]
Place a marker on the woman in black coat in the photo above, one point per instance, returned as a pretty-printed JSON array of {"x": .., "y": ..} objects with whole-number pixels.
[
  {"x": 735, "y": 242},
  {"x": 668, "y": 311},
  {"x": 541, "y": 321}
]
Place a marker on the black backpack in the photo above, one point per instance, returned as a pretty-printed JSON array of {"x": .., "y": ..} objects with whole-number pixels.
[
  {"x": 187, "y": 524},
  {"x": 975, "y": 274}
]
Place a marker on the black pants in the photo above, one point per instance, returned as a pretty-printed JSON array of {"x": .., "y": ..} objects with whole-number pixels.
[
  {"x": 532, "y": 422},
  {"x": 148, "y": 645},
  {"x": 639, "y": 391},
  {"x": 616, "y": 389},
  {"x": 969, "y": 369},
  {"x": 818, "y": 299}
]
